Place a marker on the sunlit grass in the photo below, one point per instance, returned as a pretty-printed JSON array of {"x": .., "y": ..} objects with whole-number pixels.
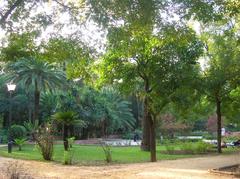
[{"x": 94, "y": 154}]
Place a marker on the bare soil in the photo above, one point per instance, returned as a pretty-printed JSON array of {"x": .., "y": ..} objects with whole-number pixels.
[{"x": 189, "y": 168}]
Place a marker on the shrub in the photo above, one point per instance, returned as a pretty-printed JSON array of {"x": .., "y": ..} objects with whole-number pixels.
[
  {"x": 202, "y": 147},
  {"x": 20, "y": 143},
  {"x": 17, "y": 131},
  {"x": 107, "y": 151},
  {"x": 44, "y": 141},
  {"x": 187, "y": 147},
  {"x": 170, "y": 148},
  {"x": 68, "y": 157},
  {"x": 71, "y": 141}
]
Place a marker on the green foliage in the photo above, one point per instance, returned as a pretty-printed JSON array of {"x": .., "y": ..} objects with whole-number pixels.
[
  {"x": 208, "y": 11},
  {"x": 36, "y": 73},
  {"x": 20, "y": 142},
  {"x": 74, "y": 55},
  {"x": 187, "y": 147},
  {"x": 44, "y": 141},
  {"x": 107, "y": 152},
  {"x": 71, "y": 141},
  {"x": 19, "y": 46},
  {"x": 105, "y": 108},
  {"x": 18, "y": 131},
  {"x": 140, "y": 13},
  {"x": 202, "y": 147},
  {"x": 17, "y": 101},
  {"x": 68, "y": 118},
  {"x": 170, "y": 148},
  {"x": 48, "y": 103},
  {"x": 4, "y": 135},
  {"x": 115, "y": 111},
  {"x": 31, "y": 127},
  {"x": 68, "y": 157}
]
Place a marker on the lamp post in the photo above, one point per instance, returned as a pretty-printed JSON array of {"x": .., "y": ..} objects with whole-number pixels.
[{"x": 11, "y": 87}]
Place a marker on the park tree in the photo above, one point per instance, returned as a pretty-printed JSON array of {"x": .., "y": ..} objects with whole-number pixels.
[
  {"x": 36, "y": 74},
  {"x": 67, "y": 119},
  {"x": 156, "y": 61},
  {"x": 18, "y": 46},
  {"x": 218, "y": 19},
  {"x": 71, "y": 54},
  {"x": 222, "y": 74}
]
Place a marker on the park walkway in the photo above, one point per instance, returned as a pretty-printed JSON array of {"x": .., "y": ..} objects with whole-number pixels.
[{"x": 190, "y": 168}]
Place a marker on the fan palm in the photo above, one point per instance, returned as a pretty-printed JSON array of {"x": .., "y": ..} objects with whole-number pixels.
[
  {"x": 38, "y": 75},
  {"x": 67, "y": 119}
]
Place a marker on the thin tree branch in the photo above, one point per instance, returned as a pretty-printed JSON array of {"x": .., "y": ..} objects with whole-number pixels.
[{"x": 9, "y": 11}]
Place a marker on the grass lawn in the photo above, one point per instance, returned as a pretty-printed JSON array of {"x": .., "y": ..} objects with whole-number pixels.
[{"x": 94, "y": 154}]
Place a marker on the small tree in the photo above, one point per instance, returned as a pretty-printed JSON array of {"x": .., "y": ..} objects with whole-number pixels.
[
  {"x": 20, "y": 143},
  {"x": 67, "y": 119},
  {"x": 44, "y": 141},
  {"x": 107, "y": 152}
]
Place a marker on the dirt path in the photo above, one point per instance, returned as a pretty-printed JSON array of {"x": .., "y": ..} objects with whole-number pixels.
[{"x": 191, "y": 168}]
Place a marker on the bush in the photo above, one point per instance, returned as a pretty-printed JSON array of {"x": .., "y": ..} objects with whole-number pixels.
[
  {"x": 170, "y": 148},
  {"x": 202, "y": 147},
  {"x": 107, "y": 151},
  {"x": 18, "y": 131},
  {"x": 187, "y": 147},
  {"x": 71, "y": 141},
  {"x": 44, "y": 141},
  {"x": 68, "y": 157},
  {"x": 20, "y": 143}
]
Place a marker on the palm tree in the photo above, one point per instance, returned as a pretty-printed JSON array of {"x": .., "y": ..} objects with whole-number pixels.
[
  {"x": 114, "y": 111},
  {"x": 67, "y": 119},
  {"x": 37, "y": 75}
]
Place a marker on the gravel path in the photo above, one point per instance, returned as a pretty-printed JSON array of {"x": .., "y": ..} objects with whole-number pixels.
[{"x": 191, "y": 168}]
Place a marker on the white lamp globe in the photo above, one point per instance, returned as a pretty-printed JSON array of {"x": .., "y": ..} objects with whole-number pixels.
[{"x": 11, "y": 86}]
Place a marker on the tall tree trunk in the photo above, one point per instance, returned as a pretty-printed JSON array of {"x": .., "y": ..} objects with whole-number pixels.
[
  {"x": 146, "y": 119},
  {"x": 153, "y": 140},
  {"x": 219, "y": 126},
  {"x": 65, "y": 137},
  {"x": 36, "y": 105},
  {"x": 146, "y": 126}
]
